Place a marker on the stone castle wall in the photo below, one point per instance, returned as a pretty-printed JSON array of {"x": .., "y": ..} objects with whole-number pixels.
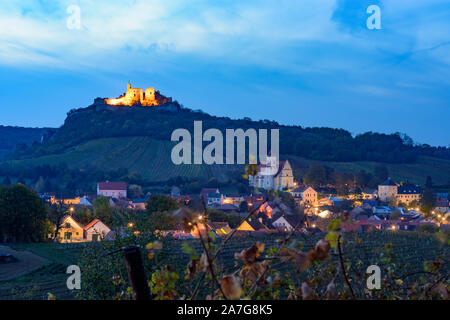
[{"x": 137, "y": 97}]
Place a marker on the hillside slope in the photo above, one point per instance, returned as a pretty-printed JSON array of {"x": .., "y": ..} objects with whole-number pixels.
[
  {"x": 10, "y": 137},
  {"x": 104, "y": 139},
  {"x": 144, "y": 156},
  {"x": 150, "y": 159}
]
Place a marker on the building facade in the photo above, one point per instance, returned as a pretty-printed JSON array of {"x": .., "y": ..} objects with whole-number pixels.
[
  {"x": 390, "y": 191},
  {"x": 282, "y": 179},
  {"x": 116, "y": 190},
  {"x": 387, "y": 191}
]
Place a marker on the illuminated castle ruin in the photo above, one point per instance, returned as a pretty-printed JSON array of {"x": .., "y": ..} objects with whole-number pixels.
[{"x": 139, "y": 97}]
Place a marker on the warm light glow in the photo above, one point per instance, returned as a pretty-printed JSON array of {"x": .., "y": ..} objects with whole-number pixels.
[
  {"x": 324, "y": 214},
  {"x": 130, "y": 225},
  {"x": 227, "y": 201},
  {"x": 137, "y": 96}
]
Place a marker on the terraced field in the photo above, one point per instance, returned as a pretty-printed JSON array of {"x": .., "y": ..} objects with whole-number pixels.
[
  {"x": 143, "y": 155},
  {"x": 151, "y": 159}
]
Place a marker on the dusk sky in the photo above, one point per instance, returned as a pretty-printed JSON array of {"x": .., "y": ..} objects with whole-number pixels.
[{"x": 309, "y": 63}]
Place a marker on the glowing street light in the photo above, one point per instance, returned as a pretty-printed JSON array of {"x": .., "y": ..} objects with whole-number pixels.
[{"x": 130, "y": 225}]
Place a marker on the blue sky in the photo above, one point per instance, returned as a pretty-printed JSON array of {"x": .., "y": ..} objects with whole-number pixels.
[{"x": 310, "y": 63}]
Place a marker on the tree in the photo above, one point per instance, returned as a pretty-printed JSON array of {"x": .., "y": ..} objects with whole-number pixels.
[
  {"x": 22, "y": 215},
  {"x": 83, "y": 215},
  {"x": 428, "y": 200},
  {"x": 215, "y": 215},
  {"x": 196, "y": 204},
  {"x": 102, "y": 209},
  {"x": 56, "y": 213},
  {"x": 135, "y": 191},
  {"x": 381, "y": 172},
  {"x": 342, "y": 182},
  {"x": 315, "y": 176},
  {"x": 161, "y": 221},
  {"x": 161, "y": 203},
  {"x": 243, "y": 206},
  {"x": 288, "y": 199},
  {"x": 362, "y": 178}
]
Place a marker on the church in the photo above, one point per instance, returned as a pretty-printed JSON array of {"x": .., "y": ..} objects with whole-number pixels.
[{"x": 282, "y": 179}]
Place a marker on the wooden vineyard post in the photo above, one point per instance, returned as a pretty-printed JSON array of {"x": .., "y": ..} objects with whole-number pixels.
[{"x": 136, "y": 273}]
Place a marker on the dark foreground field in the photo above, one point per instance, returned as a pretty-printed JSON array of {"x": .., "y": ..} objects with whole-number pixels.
[{"x": 411, "y": 250}]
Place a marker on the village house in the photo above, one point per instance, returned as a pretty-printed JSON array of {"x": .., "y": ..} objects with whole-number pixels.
[
  {"x": 252, "y": 225},
  {"x": 139, "y": 204},
  {"x": 220, "y": 228},
  {"x": 228, "y": 208},
  {"x": 442, "y": 205},
  {"x": 272, "y": 207},
  {"x": 336, "y": 201},
  {"x": 287, "y": 222},
  {"x": 390, "y": 191},
  {"x": 235, "y": 199},
  {"x": 408, "y": 194},
  {"x": 369, "y": 194},
  {"x": 325, "y": 202},
  {"x": 116, "y": 190},
  {"x": 68, "y": 201},
  {"x": 95, "y": 231},
  {"x": 70, "y": 230},
  {"x": 211, "y": 196},
  {"x": 307, "y": 195},
  {"x": 214, "y": 199},
  {"x": 387, "y": 191},
  {"x": 282, "y": 179}
]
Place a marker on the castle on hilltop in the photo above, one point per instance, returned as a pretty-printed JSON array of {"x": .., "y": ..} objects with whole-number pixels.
[{"x": 139, "y": 97}]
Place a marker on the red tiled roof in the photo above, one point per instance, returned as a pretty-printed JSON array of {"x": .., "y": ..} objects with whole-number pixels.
[
  {"x": 112, "y": 186},
  {"x": 91, "y": 224}
]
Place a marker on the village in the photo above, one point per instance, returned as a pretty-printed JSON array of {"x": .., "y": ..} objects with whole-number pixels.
[{"x": 297, "y": 208}]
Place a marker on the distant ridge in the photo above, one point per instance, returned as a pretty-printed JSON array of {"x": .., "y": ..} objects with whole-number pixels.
[{"x": 104, "y": 137}]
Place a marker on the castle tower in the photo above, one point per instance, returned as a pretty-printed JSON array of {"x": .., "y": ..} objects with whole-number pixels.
[
  {"x": 387, "y": 191},
  {"x": 137, "y": 96}
]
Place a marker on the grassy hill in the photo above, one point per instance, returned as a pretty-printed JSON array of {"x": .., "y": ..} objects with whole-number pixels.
[
  {"x": 416, "y": 172},
  {"x": 102, "y": 139},
  {"x": 151, "y": 159},
  {"x": 148, "y": 157}
]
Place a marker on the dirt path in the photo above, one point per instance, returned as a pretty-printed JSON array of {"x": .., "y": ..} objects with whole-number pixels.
[{"x": 27, "y": 262}]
